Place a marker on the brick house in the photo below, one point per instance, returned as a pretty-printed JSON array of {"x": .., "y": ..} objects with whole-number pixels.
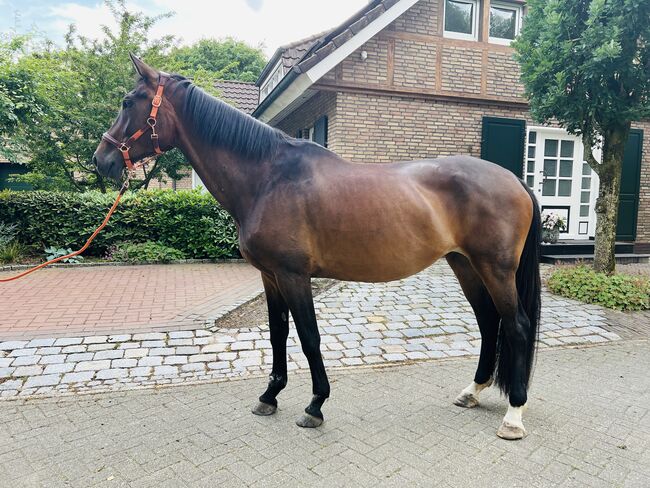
[{"x": 410, "y": 79}]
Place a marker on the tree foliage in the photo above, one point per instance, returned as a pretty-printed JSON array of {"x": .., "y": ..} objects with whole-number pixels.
[
  {"x": 586, "y": 65},
  {"x": 226, "y": 59},
  {"x": 56, "y": 103}
]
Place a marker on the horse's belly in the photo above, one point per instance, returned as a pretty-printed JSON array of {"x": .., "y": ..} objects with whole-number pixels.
[{"x": 379, "y": 256}]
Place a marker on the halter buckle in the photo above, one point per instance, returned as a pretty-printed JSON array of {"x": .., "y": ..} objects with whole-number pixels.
[
  {"x": 124, "y": 148},
  {"x": 157, "y": 100}
]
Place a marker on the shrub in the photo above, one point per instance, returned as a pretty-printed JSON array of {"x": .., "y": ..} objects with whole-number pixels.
[
  {"x": 146, "y": 252},
  {"x": 12, "y": 252},
  {"x": 56, "y": 252},
  {"x": 619, "y": 291},
  {"x": 189, "y": 221},
  {"x": 8, "y": 233}
]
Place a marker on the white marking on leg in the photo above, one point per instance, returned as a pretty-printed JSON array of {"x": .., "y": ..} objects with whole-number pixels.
[
  {"x": 474, "y": 389},
  {"x": 514, "y": 415}
]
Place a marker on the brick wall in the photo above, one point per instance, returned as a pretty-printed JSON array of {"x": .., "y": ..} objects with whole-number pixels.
[
  {"x": 412, "y": 54},
  {"x": 304, "y": 117}
]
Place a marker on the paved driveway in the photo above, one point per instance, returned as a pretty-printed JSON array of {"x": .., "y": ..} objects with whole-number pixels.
[
  {"x": 65, "y": 302},
  {"x": 588, "y": 423}
]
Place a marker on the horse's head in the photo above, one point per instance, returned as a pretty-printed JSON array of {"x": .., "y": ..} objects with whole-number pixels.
[{"x": 145, "y": 126}]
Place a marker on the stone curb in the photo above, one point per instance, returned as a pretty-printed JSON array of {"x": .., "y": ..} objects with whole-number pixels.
[{"x": 18, "y": 267}]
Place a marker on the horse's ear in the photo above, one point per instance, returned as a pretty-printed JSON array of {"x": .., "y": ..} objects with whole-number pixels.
[{"x": 143, "y": 69}]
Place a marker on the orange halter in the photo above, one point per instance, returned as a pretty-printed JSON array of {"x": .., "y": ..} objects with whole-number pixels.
[{"x": 125, "y": 147}]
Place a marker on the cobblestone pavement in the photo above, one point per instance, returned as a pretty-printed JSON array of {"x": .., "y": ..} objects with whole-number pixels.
[
  {"x": 422, "y": 317},
  {"x": 588, "y": 425},
  {"x": 117, "y": 299}
]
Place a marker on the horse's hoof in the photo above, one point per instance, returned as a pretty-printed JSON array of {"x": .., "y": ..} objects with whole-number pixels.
[
  {"x": 466, "y": 400},
  {"x": 511, "y": 432},
  {"x": 264, "y": 409},
  {"x": 309, "y": 421}
]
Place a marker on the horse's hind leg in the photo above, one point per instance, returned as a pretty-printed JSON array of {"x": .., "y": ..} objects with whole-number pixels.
[
  {"x": 279, "y": 329},
  {"x": 488, "y": 322},
  {"x": 512, "y": 370}
]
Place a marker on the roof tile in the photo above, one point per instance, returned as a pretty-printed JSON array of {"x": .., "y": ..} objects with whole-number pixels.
[{"x": 243, "y": 95}]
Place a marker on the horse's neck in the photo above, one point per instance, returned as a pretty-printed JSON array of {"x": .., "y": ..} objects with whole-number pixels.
[{"x": 232, "y": 181}]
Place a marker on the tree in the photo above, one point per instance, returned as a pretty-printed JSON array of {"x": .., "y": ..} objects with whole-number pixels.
[
  {"x": 586, "y": 64},
  {"x": 226, "y": 59},
  {"x": 56, "y": 103}
]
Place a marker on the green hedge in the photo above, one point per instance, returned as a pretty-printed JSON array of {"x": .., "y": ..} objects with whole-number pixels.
[{"x": 190, "y": 221}]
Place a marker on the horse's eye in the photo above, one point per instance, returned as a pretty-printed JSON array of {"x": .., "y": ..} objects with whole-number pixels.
[{"x": 127, "y": 103}]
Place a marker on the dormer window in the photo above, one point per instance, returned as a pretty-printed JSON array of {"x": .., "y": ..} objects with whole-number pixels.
[
  {"x": 461, "y": 19},
  {"x": 272, "y": 81},
  {"x": 505, "y": 22}
]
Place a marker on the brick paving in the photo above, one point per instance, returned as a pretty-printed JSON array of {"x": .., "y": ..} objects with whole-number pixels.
[
  {"x": 122, "y": 299},
  {"x": 588, "y": 424},
  {"x": 421, "y": 317}
]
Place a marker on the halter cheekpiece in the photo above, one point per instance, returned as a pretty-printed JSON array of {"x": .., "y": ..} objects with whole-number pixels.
[{"x": 125, "y": 147}]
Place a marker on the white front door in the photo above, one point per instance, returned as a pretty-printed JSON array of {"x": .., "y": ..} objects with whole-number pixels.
[{"x": 563, "y": 182}]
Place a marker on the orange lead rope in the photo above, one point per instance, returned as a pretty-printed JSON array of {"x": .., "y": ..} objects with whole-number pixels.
[{"x": 125, "y": 186}]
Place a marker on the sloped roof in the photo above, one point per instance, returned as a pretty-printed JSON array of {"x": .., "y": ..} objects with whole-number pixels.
[
  {"x": 303, "y": 56},
  {"x": 243, "y": 95},
  {"x": 305, "y": 53}
]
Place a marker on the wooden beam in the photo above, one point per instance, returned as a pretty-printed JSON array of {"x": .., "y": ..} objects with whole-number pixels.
[
  {"x": 418, "y": 93},
  {"x": 391, "y": 61}
]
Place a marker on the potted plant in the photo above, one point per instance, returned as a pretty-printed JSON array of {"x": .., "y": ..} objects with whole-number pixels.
[{"x": 552, "y": 225}]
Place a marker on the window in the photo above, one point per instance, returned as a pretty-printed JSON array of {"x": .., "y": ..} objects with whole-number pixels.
[
  {"x": 505, "y": 21},
  {"x": 272, "y": 81},
  {"x": 461, "y": 19}
]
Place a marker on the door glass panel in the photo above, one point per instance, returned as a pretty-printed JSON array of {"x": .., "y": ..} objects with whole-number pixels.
[
  {"x": 531, "y": 151},
  {"x": 550, "y": 167},
  {"x": 586, "y": 169},
  {"x": 564, "y": 188},
  {"x": 532, "y": 137},
  {"x": 531, "y": 167},
  {"x": 586, "y": 183},
  {"x": 566, "y": 168},
  {"x": 584, "y": 210},
  {"x": 584, "y": 197},
  {"x": 548, "y": 188},
  {"x": 550, "y": 147},
  {"x": 530, "y": 180},
  {"x": 566, "y": 149}
]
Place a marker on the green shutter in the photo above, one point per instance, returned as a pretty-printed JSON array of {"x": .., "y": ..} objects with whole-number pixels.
[
  {"x": 320, "y": 131},
  {"x": 628, "y": 207},
  {"x": 502, "y": 142}
]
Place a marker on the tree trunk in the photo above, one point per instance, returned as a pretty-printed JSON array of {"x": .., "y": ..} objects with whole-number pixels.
[{"x": 609, "y": 172}]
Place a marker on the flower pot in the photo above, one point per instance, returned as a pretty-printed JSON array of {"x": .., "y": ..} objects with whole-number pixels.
[{"x": 550, "y": 236}]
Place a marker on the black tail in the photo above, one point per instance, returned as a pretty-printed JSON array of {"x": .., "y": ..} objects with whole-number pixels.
[{"x": 529, "y": 288}]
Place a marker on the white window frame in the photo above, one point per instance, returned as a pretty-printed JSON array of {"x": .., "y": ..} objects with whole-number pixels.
[
  {"x": 518, "y": 9},
  {"x": 271, "y": 81},
  {"x": 459, "y": 35}
]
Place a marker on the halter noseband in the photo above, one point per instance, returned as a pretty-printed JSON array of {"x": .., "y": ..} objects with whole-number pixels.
[{"x": 125, "y": 147}]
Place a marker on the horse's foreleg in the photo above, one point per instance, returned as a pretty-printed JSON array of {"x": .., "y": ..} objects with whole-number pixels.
[
  {"x": 488, "y": 323},
  {"x": 296, "y": 290},
  {"x": 279, "y": 329}
]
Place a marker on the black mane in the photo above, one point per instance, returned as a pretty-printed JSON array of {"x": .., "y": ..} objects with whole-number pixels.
[{"x": 224, "y": 126}]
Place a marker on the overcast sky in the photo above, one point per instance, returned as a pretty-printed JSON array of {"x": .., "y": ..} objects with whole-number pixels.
[{"x": 268, "y": 22}]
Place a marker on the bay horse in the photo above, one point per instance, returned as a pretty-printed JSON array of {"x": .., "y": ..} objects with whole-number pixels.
[{"x": 302, "y": 211}]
